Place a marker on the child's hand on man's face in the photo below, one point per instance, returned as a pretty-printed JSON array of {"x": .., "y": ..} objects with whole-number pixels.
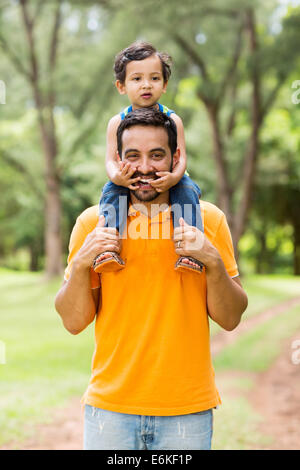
[
  {"x": 124, "y": 176},
  {"x": 164, "y": 182}
]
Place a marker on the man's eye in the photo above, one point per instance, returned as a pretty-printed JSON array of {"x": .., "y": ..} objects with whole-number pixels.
[{"x": 157, "y": 155}]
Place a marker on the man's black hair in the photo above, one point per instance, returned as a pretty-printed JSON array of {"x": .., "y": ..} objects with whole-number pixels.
[{"x": 148, "y": 117}]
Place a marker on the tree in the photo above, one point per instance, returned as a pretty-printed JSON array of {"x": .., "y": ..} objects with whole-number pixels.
[
  {"x": 36, "y": 60},
  {"x": 241, "y": 68}
]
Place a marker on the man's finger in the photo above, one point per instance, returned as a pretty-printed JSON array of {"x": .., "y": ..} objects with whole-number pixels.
[
  {"x": 101, "y": 221},
  {"x": 107, "y": 235},
  {"x": 183, "y": 222},
  {"x": 182, "y": 229}
]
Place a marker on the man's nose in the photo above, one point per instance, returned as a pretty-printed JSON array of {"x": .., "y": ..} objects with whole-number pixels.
[{"x": 145, "y": 167}]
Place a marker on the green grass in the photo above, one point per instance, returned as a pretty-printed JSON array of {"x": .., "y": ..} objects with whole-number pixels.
[
  {"x": 265, "y": 292},
  {"x": 256, "y": 350},
  {"x": 45, "y": 365},
  {"x": 235, "y": 422}
]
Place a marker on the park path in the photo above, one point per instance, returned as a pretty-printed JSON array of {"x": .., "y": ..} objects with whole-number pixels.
[{"x": 275, "y": 397}]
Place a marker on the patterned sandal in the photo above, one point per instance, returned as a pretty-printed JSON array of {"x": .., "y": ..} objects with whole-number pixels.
[
  {"x": 182, "y": 265},
  {"x": 111, "y": 263}
]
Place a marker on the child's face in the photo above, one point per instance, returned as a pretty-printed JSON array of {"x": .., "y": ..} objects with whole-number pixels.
[{"x": 144, "y": 83}]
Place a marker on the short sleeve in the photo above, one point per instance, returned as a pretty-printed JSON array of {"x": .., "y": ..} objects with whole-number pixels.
[
  {"x": 224, "y": 245},
  {"x": 78, "y": 235}
]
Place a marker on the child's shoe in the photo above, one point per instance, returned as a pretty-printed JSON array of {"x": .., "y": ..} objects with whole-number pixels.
[
  {"x": 188, "y": 263},
  {"x": 108, "y": 261}
]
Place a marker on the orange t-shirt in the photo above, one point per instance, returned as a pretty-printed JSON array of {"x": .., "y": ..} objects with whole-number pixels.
[{"x": 152, "y": 351}]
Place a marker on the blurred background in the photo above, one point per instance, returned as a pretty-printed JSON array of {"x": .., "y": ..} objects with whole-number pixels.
[{"x": 235, "y": 83}]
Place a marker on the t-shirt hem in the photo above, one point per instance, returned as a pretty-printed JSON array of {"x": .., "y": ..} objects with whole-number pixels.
[{"x": 150, "y": 411}]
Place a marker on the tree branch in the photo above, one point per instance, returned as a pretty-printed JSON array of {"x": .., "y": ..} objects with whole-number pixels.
[
  {"x": 272, "y": 96},
  {"x": 38, "y": 11},
  {"x": 229, "y": 75},
  {"x": 54, "y": 37},
  {"x": 14, "y": 58},
  {"x": 220, "y": 11},
  {"x": 53, "y": 53},
  {"x": 34, "y": 75},
  {"x": 17, "y": 165},
  {"x": 192, "y": 53},
  {"x": 253, "y": 146}
]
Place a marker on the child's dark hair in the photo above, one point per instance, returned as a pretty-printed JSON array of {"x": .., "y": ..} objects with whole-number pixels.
[
  {"x": 148, "y": 117},
  {"x": 139, "y": 51}
]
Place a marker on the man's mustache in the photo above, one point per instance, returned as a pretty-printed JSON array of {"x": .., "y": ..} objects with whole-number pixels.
[{"x": 151, "y": 175}]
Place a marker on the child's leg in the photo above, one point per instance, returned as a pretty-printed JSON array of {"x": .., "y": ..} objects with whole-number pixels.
[
  {"x": 184, "y": 199},
  {"x": 114, "y": 206}
]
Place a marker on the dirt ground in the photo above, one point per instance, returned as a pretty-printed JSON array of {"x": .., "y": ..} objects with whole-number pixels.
[{"x": 275, "y": 397}]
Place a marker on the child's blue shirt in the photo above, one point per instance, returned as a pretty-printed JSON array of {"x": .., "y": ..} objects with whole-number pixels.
[{"x": 161, "y": 107}]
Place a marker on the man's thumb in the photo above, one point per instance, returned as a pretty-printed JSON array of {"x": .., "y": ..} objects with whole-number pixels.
[
  {"x": 101, "y": 221},
  {"x": 182, "y": 222}
]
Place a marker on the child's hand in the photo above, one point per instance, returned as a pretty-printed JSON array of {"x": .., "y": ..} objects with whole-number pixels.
[
  {"x": 164, "y": 182},
  {"x": 124, "y": 174}
]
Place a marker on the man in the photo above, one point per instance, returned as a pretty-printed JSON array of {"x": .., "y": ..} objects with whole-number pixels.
[{"x": 152, "y": 384}]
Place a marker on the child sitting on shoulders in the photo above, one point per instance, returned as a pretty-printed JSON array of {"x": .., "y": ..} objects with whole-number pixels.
[{"x": 142, "y": 74}]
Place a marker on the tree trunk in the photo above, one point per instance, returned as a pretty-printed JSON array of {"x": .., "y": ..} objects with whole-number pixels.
[
  {"x": 297, "y": 248},
  {"x": 34, "y": 258},
  {"x": 250, "y": 160},
  {"x": 262, "y": 255},
  {"x": 224, "y": 191},
  {"x": 53, "y": 239},
  {"x": 45, "y": 105}
]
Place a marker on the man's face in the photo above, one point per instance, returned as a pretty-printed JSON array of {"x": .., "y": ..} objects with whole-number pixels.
[{"x": 147, "y": 150}]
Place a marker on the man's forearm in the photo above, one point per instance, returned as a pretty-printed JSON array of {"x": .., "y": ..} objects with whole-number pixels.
[
  {"x": 226, "y": 299},
  {"x": 74, "y": 301}
]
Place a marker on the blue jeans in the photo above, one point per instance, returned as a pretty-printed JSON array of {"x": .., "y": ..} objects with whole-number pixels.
[
  {"x": 107, "y": 430},
  {"x": 184, "y": 200}
]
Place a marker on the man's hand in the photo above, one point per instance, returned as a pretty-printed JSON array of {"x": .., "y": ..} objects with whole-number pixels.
[
  {"x": 190, "y": 241},
  {"x": 123, "y": 176},
  {"x": 164, "y": 182},
  {"x": 99, "y": 240}
]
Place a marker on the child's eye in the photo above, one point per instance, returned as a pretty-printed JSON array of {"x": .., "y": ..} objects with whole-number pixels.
[
  {"x": 155, "y": 78},
  {"x": 136, "y": 78}
]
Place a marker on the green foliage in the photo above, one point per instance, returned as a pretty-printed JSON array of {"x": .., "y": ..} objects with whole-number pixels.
[{"x": 90, "y": 36}]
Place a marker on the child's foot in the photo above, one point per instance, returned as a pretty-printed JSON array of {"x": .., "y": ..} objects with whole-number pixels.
[
  {"x": 187, "y": 263},
  {"x": 108, "y": 261}
]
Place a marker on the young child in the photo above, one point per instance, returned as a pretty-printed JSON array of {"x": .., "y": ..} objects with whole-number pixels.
[{"x": 142, "y": 74}]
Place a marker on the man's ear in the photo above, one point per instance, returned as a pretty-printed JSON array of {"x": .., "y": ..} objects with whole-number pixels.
[
  {"x": 176, "y": 157},
  {"x": 120, "y": 87}
]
